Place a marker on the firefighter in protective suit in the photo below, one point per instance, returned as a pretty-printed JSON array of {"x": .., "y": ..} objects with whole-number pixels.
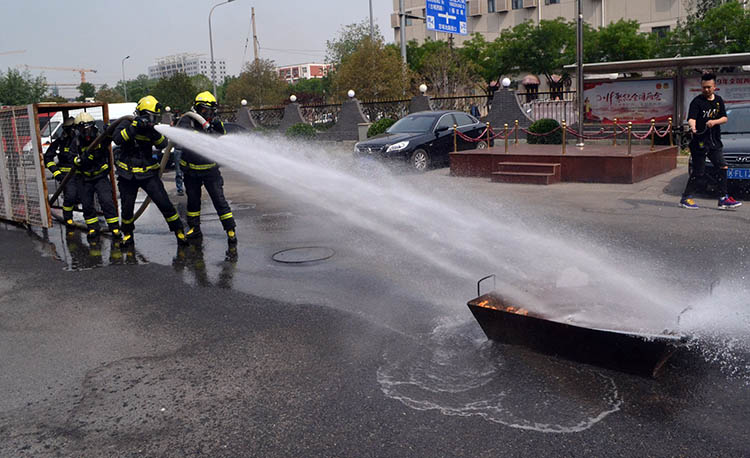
[
  {"x": 60, "y": 147},
  {"x": 200, "y": 171},
  {"x": 93, "y": 163},
  {"x": 137, "y": 168}
]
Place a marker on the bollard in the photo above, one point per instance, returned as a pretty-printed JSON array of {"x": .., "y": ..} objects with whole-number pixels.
[
  {"x": 488, "y": 133},
  {"x": 630, "y": 131},
  {"x": 455, "y": 141},
  {"x": 653, "y": 133},
  {"x": 669, "y": 132},
  {"x": 614, "y": 139},
  {"x": 516, "y": 130},
  {"x": 564, "y": 139},
  {"x": 506, "y": 138}
]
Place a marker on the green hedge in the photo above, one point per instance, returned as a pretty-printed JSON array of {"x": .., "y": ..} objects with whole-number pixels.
[
  {"x": 543, "y": 126},
  {"x": 380, "y": 126},
  {"x": 301, "y": 131}
]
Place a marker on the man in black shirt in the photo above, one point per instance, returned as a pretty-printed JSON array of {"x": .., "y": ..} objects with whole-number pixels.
[{"x": 705, "y": 116}]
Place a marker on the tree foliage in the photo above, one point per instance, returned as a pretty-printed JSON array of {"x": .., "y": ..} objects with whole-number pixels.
[
  {"x": 138, "y": 88},
  {"x": 348, "y": 40},
  {"x": 373, "y": 71},
  {"x": 177, "y": 91},
  {"x": 86, "y": 91},
  {"x": 17, "y": 88},
  {"x": 259, "y": 84},
  {"x": 106, "y": 94},
  {"x": 310, "y": 91},
  {"x": 711, "y": 29},
  {"x": 445, "y": 70},
  {"x": 619, "y": 41}
]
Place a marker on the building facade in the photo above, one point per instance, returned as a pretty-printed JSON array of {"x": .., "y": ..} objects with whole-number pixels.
[
  {"x": 189, "y": 64},
  {"x": 293, "y": 73},
  {"x": 490, "y": 17}
]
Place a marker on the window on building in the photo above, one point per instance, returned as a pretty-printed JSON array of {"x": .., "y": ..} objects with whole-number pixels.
[
  {"x": 491, "y": 6},
  {"x": 409, "y": 21},
  {"x": 517, "y": 4},
  {"x": 661, "y": 31},
  {"x": 551, "y": 2}
]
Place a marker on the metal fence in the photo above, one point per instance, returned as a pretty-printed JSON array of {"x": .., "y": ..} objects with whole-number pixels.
[{"x": 23, "y": 196}]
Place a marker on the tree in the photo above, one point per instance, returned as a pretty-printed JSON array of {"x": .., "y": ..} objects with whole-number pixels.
[
  {"x": 138, "y": 88},
  {"x": 18, "y": 88},
  {"x": 348, "y": 40},
  {"x": 373, "y": 71},
  {"x": 259, "y": 84},
  {"x": 87, "y": 91},
  {"x": 310, "y": 91},
  {"x": 619, "y": 41},
  {"x": 202, "y": 83},
  {"x": 721, "y": 29},
  {"x": 108, "y": 95},
  {"x": 444, "y": 69},
  {"x": 177, "y": 91}
]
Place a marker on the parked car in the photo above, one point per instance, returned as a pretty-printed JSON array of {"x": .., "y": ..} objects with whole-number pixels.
[
  {"x": 735, "y": 135},
  {"x": 423, "y": 139}
]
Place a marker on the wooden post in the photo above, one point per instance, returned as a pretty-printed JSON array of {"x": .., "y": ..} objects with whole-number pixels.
[
  {"x": 506, "y": 138},
  {"x": 653, "y": 133},
  {"x": 516, "y": 130},
  {"x": 564, "y": 139},
  {"x": 630, "y": 131},
  {"x": 488, "y": 133},
  {"x": 669, "y": 132},
  {"x": 614, "y": 140},
  {"x": 455, "y": 141}
]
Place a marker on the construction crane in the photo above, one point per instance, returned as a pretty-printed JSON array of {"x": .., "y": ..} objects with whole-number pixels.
[
  {"x": 82, "y": 71},
  {"x": 17, "y": 51}
]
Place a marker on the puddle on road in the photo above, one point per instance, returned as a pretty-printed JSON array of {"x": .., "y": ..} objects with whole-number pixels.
[{"x": 457, "y": 371}]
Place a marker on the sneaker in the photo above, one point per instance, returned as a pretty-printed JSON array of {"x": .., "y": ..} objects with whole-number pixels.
[
  {"x": 194, "y": 233},
  {"x": 181, "y": 239},
  {"x": 727, "y": 203},
  {"x": 688, "y": 202},
  {"x": 231, "y": 237}
]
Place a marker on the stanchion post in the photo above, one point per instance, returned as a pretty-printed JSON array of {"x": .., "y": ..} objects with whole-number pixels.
[
  {"x": 564, "y": 136},
  {"x": 488, "y": 133},
  {"x": 653, "y": 133},
  {"x": 630, "y": 132},
  {"x": 506, "y": 138},
  {"x": 669, "y": 132},
  {"x": 455, "y": 140},
  {"x": 614, "y": 139},
  {"x": 516, "y": 131}
]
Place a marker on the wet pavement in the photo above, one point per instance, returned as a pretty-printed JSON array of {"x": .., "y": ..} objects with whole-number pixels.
[{"x": 361, "y": 350}]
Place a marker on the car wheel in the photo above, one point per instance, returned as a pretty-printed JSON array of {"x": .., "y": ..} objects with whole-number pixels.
[
  {"x": 481, "y": 145},
  {"x": 420, "y": 160}
]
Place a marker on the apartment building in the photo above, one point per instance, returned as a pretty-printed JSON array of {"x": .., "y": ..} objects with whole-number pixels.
[
  {"x": 189, "y": 64},
  {"x": 490, "y": 17},
  {"x": 293, "y": 73}
]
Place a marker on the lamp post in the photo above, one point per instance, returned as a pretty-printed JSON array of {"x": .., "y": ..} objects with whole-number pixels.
[
  {"x": 372, "y": 27},
  {"x": 211, "y": 43},
  {"x": 579, "y": 72},
  {"x": 124, "y": 83}
]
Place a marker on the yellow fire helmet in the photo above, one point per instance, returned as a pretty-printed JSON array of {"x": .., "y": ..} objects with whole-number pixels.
[
  {"x": 205, "y": 98},
  {"x": 148, "y": 103},
  {"x": 83, "y": 118}
]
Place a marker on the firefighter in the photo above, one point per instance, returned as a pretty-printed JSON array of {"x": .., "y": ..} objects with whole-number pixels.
[
  {"x": 201, "y": 171},
  {"x": 137, "y": 168},
  {"x": 94, "y": 167},
  {"x": 65, "y": 161}
]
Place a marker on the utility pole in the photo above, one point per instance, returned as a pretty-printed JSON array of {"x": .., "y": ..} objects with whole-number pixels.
[
  {"x": 579, "y": 72},
  {"x": 372, "y": 26},
  {"x": 402, "y": 29},
  {"x": 255, "y": 36}
]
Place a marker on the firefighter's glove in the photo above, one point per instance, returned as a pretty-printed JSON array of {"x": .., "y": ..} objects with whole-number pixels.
[
  {"x": 142, "y": 124},
  {"x": 77, "y": 161},
  {"x": 217, "y": 126}
]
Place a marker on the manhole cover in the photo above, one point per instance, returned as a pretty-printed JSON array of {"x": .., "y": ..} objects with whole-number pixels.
[{"x": 304, "y": 254}]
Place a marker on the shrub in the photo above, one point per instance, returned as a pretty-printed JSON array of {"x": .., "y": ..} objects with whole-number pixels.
[
  {"x": 380, "y": 126},
  {"x": 543, "y": 126},
  {"x": 301, "y": 131}
]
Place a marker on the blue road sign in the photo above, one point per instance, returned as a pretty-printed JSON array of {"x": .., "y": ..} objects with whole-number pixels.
[{"x": 447, "y": 16}]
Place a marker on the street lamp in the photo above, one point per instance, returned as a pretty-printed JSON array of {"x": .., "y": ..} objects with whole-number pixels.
[
  {"x": 124, "y": 83},
  {"x": 211, "y": 42}
]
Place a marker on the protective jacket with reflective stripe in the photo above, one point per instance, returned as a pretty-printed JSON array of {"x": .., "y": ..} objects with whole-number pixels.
[
  {"x": 92, "y": 163},
  {"x": 193, "y": 162},
  {"x": 60, "y": 148},
  {"x": 135, "y": 159}
]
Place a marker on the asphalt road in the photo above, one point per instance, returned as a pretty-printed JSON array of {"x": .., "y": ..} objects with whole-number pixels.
[{"x": 371, "y": 352}]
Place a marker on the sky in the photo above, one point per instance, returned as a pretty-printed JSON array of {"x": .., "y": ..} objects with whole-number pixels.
[{"x": 98, "y": 34}]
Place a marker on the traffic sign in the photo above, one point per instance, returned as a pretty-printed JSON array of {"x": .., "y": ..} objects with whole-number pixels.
[{"x": 447, "y": 16}]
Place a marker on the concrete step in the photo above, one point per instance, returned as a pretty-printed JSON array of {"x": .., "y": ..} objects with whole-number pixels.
[
  {"x": 529, "y": 167},
  {"x": 525, "y": 177}
]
